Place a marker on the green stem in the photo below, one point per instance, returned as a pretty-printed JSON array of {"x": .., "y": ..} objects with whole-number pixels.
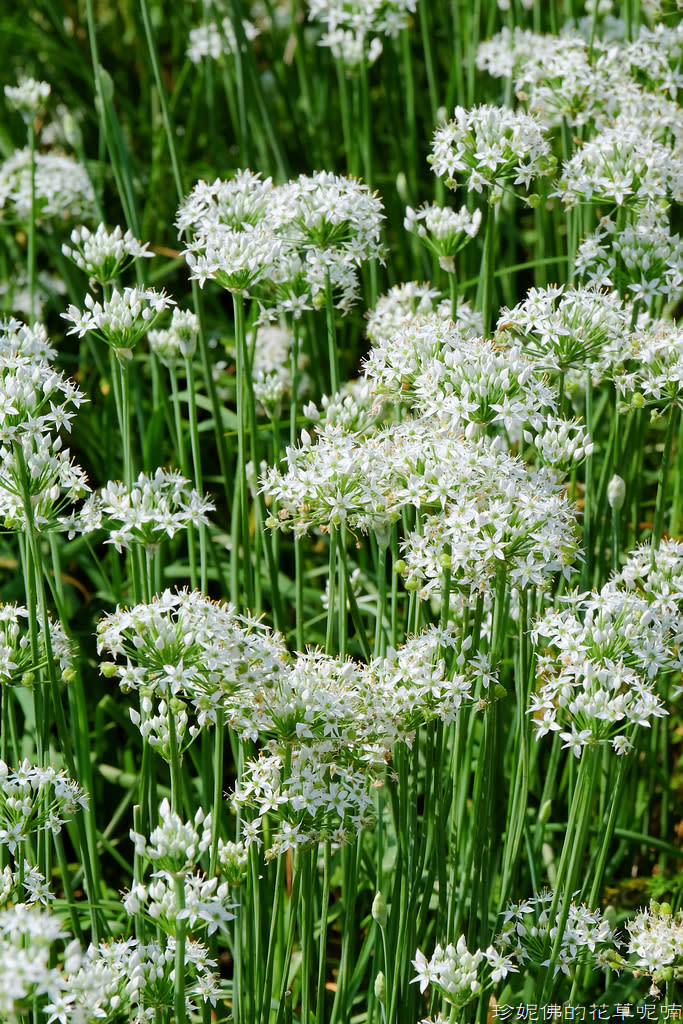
[
  {"x": 278, "y": 900},
  {"x": 332, "y": 594},
  {"x": 487, "y": 264},
  {"x": 663, "y": 478},
  {"x": 31, "y": 254},
  {"x": 242, "y": 373},
  {"x": 571, "y": 858},
  {"x": 332, "y": 352},
  {"x": 179, "y": 987},
  {"x": 322, "y": 942}
]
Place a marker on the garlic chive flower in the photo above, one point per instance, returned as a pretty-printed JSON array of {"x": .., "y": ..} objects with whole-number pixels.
[
  {"x": 104, "y": 254},
  {"x": 217, "y": 39},
  {"x": 27, "y": 937},
  {"x": 444, "y": 232},
  {"x": 186, "y": 648},
  {"x": 20, "y": 339},
  {"x": 410, "y": 301},
  {"x": 18, "y": 665},
  {"x": 493, "y": 148},
  {"x": 179, "y": 341},
  {"x": 62, "y": 188},
  {"x": 286, "y": 244},
  {"x": 231, "y": 240},
  {"x": 498, "y": 515},
  {"x": 334, "y": 214},
  {"x": 26, "y": 885},
  {"x": 45, "y": 971},
  {"x": 175, "y": 845},
  {"x": 624, "y": 165},
  {"x": 643, "y": 260},
  {"x": 654, "y": 946},
  {"x": 602, "y": 660},
  {"x": 527, "y": 932},
  {"x": 457, "y": 974},
  {"x": 28, "y": 97},
  {"x": 122, "y": 319},
  {"x": 233, "y": 859},
  {"x": 353, "y": 28},
  {"x": 652, "y": 375},
  {"x": 328, "y": 728},
  {"x": 37, "y": 477},
  {"x": 174, "y": 849},
  {"x": 657, "y": 576},
  {"x": 154, "y": 508},
  {"x": 571, "y": 329},
  {"x": 206, "y": 902},
  {"x": 34, "y": 798},
  {"x": 400, "y": 304},
  {"x": 235, "y": 204}
]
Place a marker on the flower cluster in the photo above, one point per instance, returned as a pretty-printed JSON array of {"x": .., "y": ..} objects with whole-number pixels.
[
  {"x": 300, "y": 241},
  {"x": 28, "y": 97},
  {"x": 568, "y": 79},
  {"x": 217, "y": 39},
  {"x": 174, "y": 848},
  {"x": 448, "y": 376},
  {"x": 33, "y": 798},
  {"x": 62, "y": 188},
  {"x": 429, "y": 677},
  {"x": 353, "y": 28},
  {"x": 103, "y": 254},
  {"x": 45, "y": 971},
  {"x": 571, "y": 330},
  {"x": 484, "y": 509},
  {"x": 179, "y": 341},
  {"x": 27, "y": 935},
  {"x": 184, "y": 648},
  {"x": 311, "y": 794},
  {"x": 457, "y": 974},
  {"x": 493, "y": 148},
  {"x": 26, "y": 885},
  {"x": 150, "y": 510},
  {"x": 655, "y": 576},
  {"x": 206, "y": 902},
  {"x": 444, "y": 232},
  {"x": 500, "y": 516},
  {"x": 655, "y": 945},
  {"x": 122, "y": 319},
  {"x": 652, "y": 374},
  {"x": 528, "y": 932},
  {"x": 17, "y": 658},
  {"x": 624, "y": 165},
  {"x": 604, "y": 654},
  {"x": 37, "y": 476},
  {"x": 642, "y": 260}
]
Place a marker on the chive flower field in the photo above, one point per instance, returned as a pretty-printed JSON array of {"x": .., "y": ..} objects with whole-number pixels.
[{"x": 341, "y": 494}]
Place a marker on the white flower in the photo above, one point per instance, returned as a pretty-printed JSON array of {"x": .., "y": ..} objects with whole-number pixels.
[
  {"x": 62, "y": 187},
  {"x": 104, "y": 254},
  {"x": 492, "y": 147},
  {"x": 444, "y": 232},
  {"x": 122, "y": 319},
  {"x": 153, "y": 508},
  {"x": 354, "y": 27},
  {"x": 28, "y": 97}
]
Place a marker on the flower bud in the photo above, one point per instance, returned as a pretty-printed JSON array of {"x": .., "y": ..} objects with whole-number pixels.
[
  {"x": 381, "y": 987},
  {"x": 616, "y": 492},
  {"x": 379, "y": 910}
]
